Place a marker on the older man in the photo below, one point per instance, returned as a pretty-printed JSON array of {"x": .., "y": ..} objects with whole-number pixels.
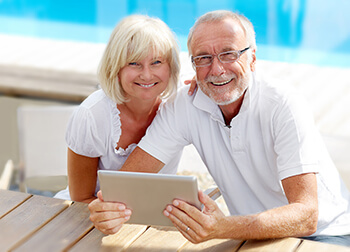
[{"x": 258, "y": 141}]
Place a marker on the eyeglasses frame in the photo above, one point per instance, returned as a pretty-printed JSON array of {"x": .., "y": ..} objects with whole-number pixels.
[{"x": 240, "y": 52}]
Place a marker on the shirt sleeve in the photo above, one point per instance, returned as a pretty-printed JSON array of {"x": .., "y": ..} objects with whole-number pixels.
[
  {"x": 297, "y": 141},
  {"x": 82, "y": 136},
  {"x": 166, "y": 136}
]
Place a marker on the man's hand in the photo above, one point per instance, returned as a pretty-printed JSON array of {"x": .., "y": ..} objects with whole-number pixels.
[
  {"x": 193, "y": 86},
  {"x": 108, "y": 217},
  {"x": 197, "y": 226}
]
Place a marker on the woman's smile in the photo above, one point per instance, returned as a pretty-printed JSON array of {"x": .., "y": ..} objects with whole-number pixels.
[{"x": 147, "y": 85}]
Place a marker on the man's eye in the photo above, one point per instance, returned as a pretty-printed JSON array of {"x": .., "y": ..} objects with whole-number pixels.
[
  {"x": 208, "y": 57},
  {"x": 229, "y": 56},
  {"x": 226, "y": 54}
]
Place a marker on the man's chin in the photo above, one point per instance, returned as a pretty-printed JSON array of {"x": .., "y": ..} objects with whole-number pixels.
[{"x": 223, "y": 102}]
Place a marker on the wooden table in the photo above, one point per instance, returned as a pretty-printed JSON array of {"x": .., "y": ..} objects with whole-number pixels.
[{"x": 37, "y": 223}]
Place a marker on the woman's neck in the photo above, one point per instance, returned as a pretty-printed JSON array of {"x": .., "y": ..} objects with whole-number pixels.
[{"x": 140, "y": 110}]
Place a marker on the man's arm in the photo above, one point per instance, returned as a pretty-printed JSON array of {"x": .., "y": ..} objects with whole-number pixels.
[
  {"x": 140, "y": 161},
  {"x": 298, "y": 218}
]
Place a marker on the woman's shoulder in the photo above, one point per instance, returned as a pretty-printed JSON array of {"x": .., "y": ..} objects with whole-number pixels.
[
  {"x": 95, "y": 99},
  {"x": 98, "y": 104},
  {"x": 94, "y": 122},
  {"x": 97, "y": 109}
]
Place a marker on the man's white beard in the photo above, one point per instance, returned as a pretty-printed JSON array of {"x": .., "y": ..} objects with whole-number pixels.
[{"x": 236, "y": 94}]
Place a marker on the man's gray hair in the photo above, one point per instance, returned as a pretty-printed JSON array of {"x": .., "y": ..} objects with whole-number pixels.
[{"x": 215, "y": 16}]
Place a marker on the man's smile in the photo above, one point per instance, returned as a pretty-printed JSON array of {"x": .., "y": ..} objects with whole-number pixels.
[{"x": 221, "y": 83}]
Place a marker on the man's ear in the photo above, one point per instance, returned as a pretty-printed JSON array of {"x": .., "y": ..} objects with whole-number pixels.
[{"x": 252, "y": 64}]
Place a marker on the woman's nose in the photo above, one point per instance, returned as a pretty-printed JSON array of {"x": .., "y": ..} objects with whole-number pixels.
[{"x": 146, "y": 73}]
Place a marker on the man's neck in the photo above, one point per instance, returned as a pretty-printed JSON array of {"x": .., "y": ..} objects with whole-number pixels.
[{"x": 231, "y": 110}]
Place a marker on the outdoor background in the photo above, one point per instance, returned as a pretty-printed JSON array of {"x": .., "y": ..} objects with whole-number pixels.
[
  {"x": 301, "y": 31},
  {"x": 304, "y": 43}
]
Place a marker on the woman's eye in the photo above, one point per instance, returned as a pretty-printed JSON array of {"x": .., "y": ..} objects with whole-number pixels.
[
  {"x": 133, "y": 64},
  {"x": 156, "y": 62}
]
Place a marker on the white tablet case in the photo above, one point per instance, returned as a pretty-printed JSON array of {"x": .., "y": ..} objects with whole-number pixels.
[{"x": 147, "y": 194}]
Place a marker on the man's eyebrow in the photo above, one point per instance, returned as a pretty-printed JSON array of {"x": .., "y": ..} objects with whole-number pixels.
[
  {"x": 202, "y": 53},
  {"x": 226, "y": 49}
]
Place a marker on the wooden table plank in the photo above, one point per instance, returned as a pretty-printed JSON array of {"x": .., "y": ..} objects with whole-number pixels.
[
  {"x": 11, "y": 199},
  {"x": 62, "y": 232},
  {"x": 285, "y": 245},
  {"x": 307, "y": 246},
  {"x": 159, "y": 239},
  {"x": 26, "y": 219},
  {"x": 90, "y": 242},
  {"x": 97, "y": 241},
  {"x": 122, "y": 240},
  {"x": 213, "y": 245}
]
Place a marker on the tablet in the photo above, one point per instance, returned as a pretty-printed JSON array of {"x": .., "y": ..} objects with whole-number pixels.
[{"x": 147, "y": 194}]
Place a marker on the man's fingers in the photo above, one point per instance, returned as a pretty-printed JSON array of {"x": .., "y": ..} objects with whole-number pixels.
[
  {"x": 193, "y": 86},
  {"x": 208, "y": 203},
  {"x": 181, "y": 217}
]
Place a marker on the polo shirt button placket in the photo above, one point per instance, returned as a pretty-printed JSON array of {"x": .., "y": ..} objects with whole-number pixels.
[{"x": 235, "y": 136}]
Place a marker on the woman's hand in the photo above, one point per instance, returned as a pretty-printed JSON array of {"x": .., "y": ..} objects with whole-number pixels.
[
  {"x": 108, "y": 217},
  {"x": 193, "y": 86}
]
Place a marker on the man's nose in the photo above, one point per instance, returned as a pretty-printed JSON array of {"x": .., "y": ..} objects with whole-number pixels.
[{"x": 216, "y": 67}]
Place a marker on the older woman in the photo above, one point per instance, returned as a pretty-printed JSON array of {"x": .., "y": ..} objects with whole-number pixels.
[{"x": 139, "y": 68}]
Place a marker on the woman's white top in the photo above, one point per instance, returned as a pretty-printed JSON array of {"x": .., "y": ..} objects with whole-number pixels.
[{"x": 94, "y": 131}]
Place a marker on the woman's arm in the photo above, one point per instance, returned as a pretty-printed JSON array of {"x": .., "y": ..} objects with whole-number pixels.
[{"x": 82, "y": 176}]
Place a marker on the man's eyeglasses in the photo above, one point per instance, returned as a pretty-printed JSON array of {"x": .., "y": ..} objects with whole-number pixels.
[{"x": 224, "y": 57}]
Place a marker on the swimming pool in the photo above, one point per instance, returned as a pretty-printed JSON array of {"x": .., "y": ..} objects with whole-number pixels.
[{"x": 296, "y": 31}]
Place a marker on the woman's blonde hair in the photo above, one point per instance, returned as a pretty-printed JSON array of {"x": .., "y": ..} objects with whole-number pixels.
[{"x": 132, "y": 40}]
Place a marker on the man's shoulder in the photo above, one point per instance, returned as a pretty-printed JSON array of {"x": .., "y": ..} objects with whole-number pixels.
[
  {"x": 181, "y": 98},
  {"x": 274, "y": 90},
  {"x": 277, "y": 96}
]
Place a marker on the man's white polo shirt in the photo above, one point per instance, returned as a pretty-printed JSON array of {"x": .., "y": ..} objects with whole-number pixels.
[{"x": 272, "y": 138}]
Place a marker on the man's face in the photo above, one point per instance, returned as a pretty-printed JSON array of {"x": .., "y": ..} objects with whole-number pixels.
[{"x": 224, "y": 83}]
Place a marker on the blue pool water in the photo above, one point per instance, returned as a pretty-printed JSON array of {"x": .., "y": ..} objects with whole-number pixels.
[{"x": 297, "y": 31}]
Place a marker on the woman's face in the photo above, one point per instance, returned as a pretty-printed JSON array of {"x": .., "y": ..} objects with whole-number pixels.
[{"x": 145, "y": 79}]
